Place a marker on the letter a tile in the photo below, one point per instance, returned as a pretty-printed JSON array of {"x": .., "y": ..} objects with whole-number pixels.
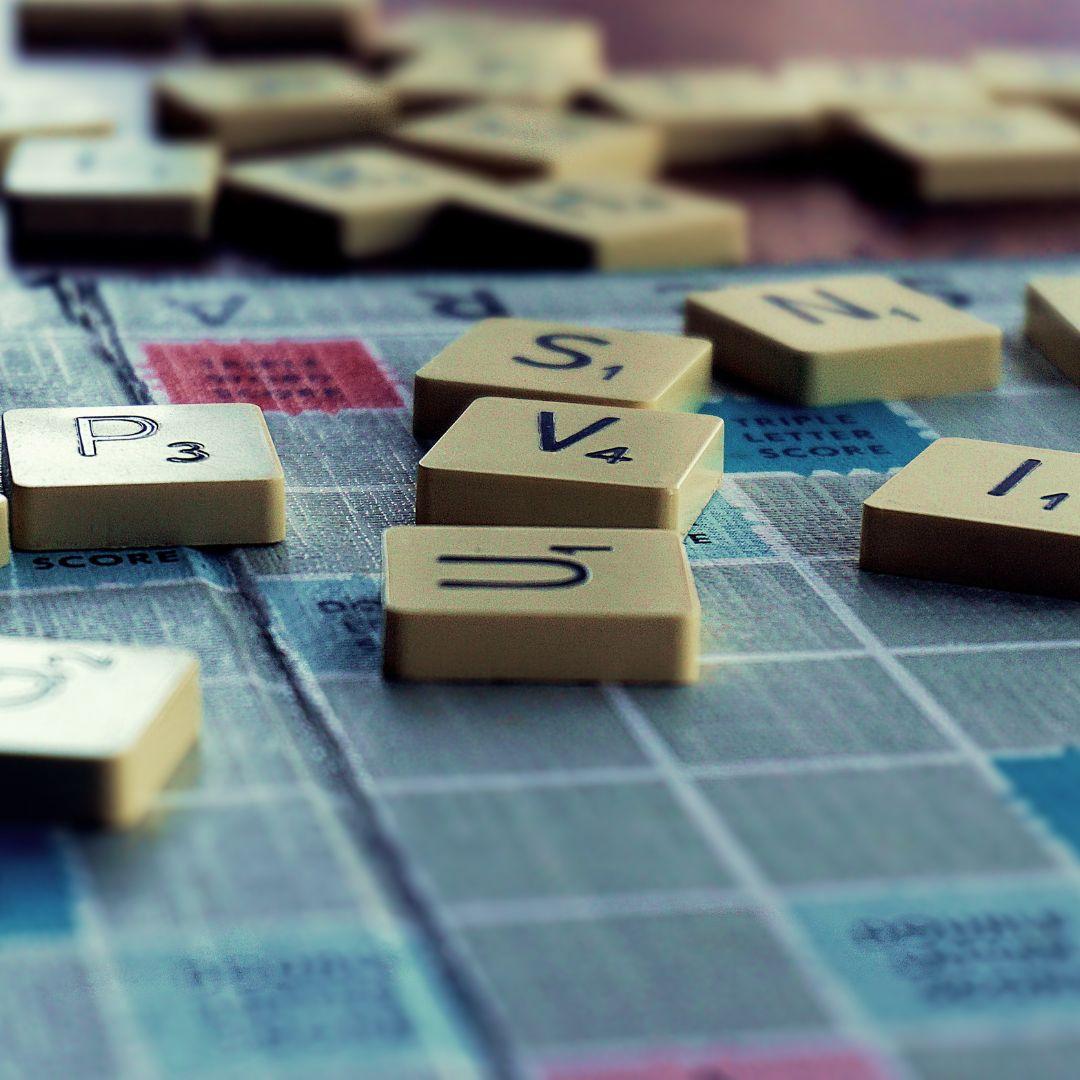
[
  {"x": 539, "y": 605},
  {"x": 556, "y": 463},
  {"x": 521, "y": 358},
  {"x": 825, "y": 341},
  {"x": 980, "y": 513},
  {"x": 143, "y": 476}
]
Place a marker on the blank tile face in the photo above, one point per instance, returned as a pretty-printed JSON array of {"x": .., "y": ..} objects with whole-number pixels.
[
  {"x": 1030, "y": 77},
  {"x": 48, "y": 107},
  {"x": 92, "y": 731},
  {"x": 507, "y": 462},
  {"x": 295, "y": 23},
  {"x": 606, "y": 224},
  {"x": 984, "y": 153},
  {"x": 367, "y": 201},
  {"x": 1053, "y": 321},
  {"x": 112, "y": 187},
  {"x": 708, "y": 115},
  {"x": 147, "y": 23},
  {"x": 825, "y": 341},
  {"x": 524, "y": 141},
  {"x": 846, "y": 88},
  {"x": 143, "y": 475},
  {"x": 539, "y": 605},
  {"x": 524, "y": 358},
  {"x": 260, "y": 106},
  {"x": 980, "y": 513}
]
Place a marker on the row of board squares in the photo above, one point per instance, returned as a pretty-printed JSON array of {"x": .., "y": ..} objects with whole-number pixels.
[{"x": 570, "y": 460}]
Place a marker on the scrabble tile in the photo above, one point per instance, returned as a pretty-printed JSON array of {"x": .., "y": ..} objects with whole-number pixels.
[
  {"x": 293, "y": 24},
  {"x": 523, "y": 358},
  {"x": 1020, "y": 77},
  {"x": 847, "y": 88},
  {"x": 260, "y": 106},
  {"x": 606, "y": 224},
  {"x": 357, "y": 202},
  {"x": 987, "y": 153},
  {"x": 507, "y": 462},
  {"x": 823, "y": 341},
  {"x": 5, "y": 533},
  {"x": 92, "y": 732},
  {"x": 980, "y": 513},
  {"x": 48, "y": 107},
  {"x": 1053, "y": 321},
  {"x": 539, "y": 605},
  {"x": 131, "y": 23},
  {"x": 143, "y": 476},
  {"x": 565, "y": 43},
  {"x": 708, "y": 115},
  {"x": 511, "y": 141},
  {"x": 442, "y": 77},
  {"x": 112, "y": 188}
]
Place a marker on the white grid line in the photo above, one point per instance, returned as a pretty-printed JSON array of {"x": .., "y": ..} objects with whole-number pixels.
[{"x": 837, "y": 1000}]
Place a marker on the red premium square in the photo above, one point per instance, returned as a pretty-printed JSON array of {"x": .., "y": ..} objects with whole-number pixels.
[{"x": 279, "y": 376}]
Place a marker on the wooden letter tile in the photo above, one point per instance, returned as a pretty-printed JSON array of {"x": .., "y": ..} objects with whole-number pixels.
[
  {"x": 539, "y": 605},
  {"x": 824, "y": 341},
  {"x": 980, "y": 513},
  {"x": 143, "y": 476},
  {"x": 91, "y": 732},
  {"x": 522, "y": 358},
  {"x": 262, "y": 106},
  {"x": 1053, "y": 321},
  {"x": 516, "y": 462},
  {"x": 112, "y": 188}
]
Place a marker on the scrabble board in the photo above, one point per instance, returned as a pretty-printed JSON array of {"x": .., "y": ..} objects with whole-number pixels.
[{"x": 846, "y": 853}]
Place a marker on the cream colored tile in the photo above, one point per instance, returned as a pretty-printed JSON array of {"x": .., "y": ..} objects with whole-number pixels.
[
  {"x": 565, "y": 43},
  {"x": 507, "y": 462},
  {"x": 980, "y": 513},
  {"x": 112, "y": 187},
  {"x": 547, "y": 361},
  {"x": 92, "y": 732},
  {"x": 299, "y": 24},
  {"x": 990, "y": 153},
  {"x": 138, "y": 23},
  {"x": 514, "y": 141},
  {"x": 360, "y": 202},
  {"x": 5, "y": 533},
  {"x": 843, "y": 89},
  {"x": 606, "y": 224},
  {"x": 263, "y": 106},
  {"x": 713, "y": 114},
  {"x": 32, "y": 106},
  {"x": 449, "y": 76},
  {"x": 143, "y": 475},
  {"x": 1053, "y": 321},
  {"x": 823, "y": 341},
  {"x": 539, "y": 605},
  {"x": 1031, "y": 77}
]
